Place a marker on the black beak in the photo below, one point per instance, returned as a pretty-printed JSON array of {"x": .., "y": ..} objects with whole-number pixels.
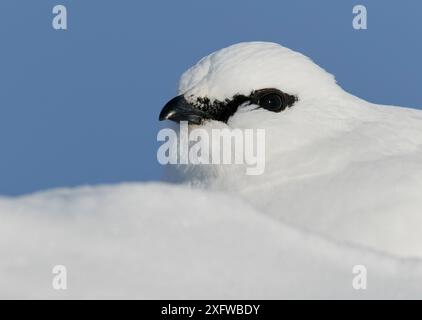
[{"x": 178, "y": 109}]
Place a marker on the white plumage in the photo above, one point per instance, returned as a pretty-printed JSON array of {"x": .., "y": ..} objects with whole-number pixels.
[{"x": 335, "y": 164}]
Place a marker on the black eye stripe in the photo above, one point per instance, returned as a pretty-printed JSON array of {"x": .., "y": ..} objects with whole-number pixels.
[
  {"x": 273, "y": 99},
  {"x": 223, "y": 110},
  {"x": 257, "y": 95}
]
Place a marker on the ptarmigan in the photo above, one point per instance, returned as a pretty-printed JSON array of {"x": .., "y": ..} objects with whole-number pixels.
[{"x": 335, "y": 164}]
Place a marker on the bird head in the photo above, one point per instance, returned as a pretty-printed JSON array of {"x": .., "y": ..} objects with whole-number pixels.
[{"x": 259, "y": 77}]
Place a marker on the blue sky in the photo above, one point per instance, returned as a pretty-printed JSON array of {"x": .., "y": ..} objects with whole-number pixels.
[{"x": 81, "y": 106}]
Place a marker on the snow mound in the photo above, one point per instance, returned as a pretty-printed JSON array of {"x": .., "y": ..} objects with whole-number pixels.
[{"x": 171, "y": 242}]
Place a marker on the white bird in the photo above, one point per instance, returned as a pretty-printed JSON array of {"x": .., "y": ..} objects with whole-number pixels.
[{"x": 335, "y": 164}]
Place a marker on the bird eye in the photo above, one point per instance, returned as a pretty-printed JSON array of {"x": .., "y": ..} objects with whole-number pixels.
[{"x": 272, "y": 102}]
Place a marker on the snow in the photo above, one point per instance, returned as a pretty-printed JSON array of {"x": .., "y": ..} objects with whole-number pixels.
[{"x": 173, "y": 242}]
